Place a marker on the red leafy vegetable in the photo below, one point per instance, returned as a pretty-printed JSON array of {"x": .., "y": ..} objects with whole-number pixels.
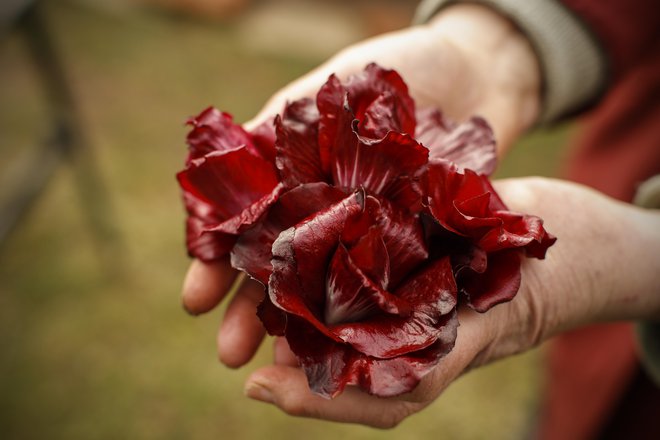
[{"x": 368, "y": 222}]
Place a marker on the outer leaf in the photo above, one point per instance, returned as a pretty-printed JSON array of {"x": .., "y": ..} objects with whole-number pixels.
[
  {"x": 376, "y": 90},
  {"x": 298, "y": 157},
  {"x": 391, "y": 377},
  {"x": 215, "y": 131},
  {"x": 470, "y": 144},
  {"x": 207, "y": 246},
  {"x": 238, "y": 186},
  {"x": 370, "y": 97},
  {"x": 273, "y": 318},
  {"x": 518, "y": 230},
  {"x": 330, "y": 366},
  {"x": 330, "y": 102},
  {"x": 382, "y": 167},
  {"x": 263, "y": 137},
  {"x": 469, "y": 257},
  {"x": 221, "y": 201},
  {"x": 381, "y": 117},
  {"x": 499, "y": 283},
  {"x": 465, "y": 203},
  {"x": 325, "y": 362}
]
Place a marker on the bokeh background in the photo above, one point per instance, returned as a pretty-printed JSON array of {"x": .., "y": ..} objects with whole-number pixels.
[{"x": 93, "y": 341}]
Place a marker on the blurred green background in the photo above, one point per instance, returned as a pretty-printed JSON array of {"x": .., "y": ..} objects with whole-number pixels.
[{"x": 93, "y": 343}]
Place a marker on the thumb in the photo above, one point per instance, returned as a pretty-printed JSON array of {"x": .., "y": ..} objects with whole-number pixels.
[{"x": 286, "y": 387}]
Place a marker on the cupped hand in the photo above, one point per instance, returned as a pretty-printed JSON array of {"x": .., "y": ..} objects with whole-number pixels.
[
  {"x": 601, "y": 269},
  {"x": 468, "y": 61}
]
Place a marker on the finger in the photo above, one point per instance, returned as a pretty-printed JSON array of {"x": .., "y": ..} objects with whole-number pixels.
[
  {"x": 282, "y": 354},
  {"x": 241, "y": 331},
  {"x": 286, "y": 387},
  {"x": 206, "y": 284}
]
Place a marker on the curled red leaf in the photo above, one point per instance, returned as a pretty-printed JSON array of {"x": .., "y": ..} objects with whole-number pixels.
[{"x": 228, "y": 183}]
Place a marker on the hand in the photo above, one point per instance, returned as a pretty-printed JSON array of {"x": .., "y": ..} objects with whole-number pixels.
[
  {"x": 603, "y": 267},
  {"x": 469, "y": 60}
]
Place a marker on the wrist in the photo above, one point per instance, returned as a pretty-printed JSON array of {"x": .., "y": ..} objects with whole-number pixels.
[
  {"x": 506, "y": 83},
  {"x": 605, "y": 266}
]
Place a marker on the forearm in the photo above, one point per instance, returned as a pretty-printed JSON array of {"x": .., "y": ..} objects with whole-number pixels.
[
  {"x": 618, "y": 268},
  {"x": 635, "y": 294},
  {"x": 612, "y": 273}
]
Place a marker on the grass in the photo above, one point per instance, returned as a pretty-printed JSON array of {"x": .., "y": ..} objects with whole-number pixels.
[{"x": 98, "y": 349}]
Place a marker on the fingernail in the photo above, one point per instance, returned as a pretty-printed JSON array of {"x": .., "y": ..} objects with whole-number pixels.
[{"x": 258, "y": 392}]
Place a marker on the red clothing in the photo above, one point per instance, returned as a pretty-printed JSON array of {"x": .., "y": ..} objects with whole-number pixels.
[
  {"x": 628, "y": 30},
  {"x": 593, "y": 387}
]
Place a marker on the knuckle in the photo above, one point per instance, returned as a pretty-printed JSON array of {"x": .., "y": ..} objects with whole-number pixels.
[
  {"x": 426, "y": 390},
  {"x": 391, "y": 418},
  {"x": 293, "y": 407},
  {"x": 391, "y": 422}
]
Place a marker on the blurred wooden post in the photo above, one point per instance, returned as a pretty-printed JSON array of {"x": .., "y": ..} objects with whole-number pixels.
[{"x": 67, "y": 142}]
